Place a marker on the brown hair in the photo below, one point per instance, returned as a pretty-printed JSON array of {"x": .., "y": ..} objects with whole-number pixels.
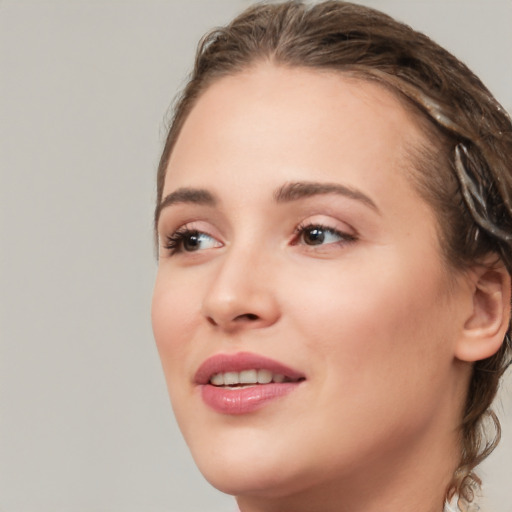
[{"x": 465, "y": 173}]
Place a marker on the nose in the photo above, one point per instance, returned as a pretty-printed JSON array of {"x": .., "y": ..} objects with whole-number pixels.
[{"x": 241, "y": 294}]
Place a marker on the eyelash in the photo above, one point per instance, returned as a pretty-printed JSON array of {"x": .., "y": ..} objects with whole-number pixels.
[
  {"x": 174, "y": 242},
  {"x": 345, "y": 238}
]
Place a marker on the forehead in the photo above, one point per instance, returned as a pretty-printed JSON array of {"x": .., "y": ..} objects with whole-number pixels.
[{"x": 275, "y": 117}]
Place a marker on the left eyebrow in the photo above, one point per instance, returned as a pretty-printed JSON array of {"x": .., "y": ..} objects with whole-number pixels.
[{"x": 303, "y": 189}]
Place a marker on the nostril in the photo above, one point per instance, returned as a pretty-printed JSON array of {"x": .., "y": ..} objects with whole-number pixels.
[{"x": 247, "y": 316}]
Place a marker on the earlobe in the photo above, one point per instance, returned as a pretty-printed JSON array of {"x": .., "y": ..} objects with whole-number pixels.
[{"x": 485, "y": 328}]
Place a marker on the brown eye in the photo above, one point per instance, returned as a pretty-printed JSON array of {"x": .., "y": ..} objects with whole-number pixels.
[
  {"x": 314, "y": 235},
  {"x": 192, "y": 241},
  {"x": 186, "y": 240}
]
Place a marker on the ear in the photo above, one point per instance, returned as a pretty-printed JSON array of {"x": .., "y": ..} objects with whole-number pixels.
[{"x": 486, "y": 325}]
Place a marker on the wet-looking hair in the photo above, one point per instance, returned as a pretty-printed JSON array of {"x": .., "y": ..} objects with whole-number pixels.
[{"x": 465, "y": 172}]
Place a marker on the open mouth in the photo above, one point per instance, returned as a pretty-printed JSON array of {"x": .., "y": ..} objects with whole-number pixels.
[
  {"x": 244, "y": 382},
  {"x": 244, "y": 369},
  {"x": 247, "y": 378}
]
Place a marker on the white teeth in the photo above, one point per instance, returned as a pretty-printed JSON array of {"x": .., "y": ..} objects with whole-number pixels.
[
  {"x": 217, "y": 379},
  {"x": 246, "y": 377},
  {"x": 264, "y": 376},
  {"x": 231, "y": 378}
]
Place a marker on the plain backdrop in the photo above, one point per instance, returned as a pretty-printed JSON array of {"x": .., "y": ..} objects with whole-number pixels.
[{"x": 85, "y": 88}]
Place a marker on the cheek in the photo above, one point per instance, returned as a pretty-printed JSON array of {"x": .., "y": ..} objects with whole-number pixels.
[
  {"x": 174, "y": 314},
  {"x": 376, "y": 332}
]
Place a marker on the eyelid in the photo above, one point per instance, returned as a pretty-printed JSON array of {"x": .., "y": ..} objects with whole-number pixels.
[
  {"x": 174, "y": 216},
  {"x": 172, "y": 239},
  {"x": 328, "y": 222},
  {"x": 343, "y": 235}
]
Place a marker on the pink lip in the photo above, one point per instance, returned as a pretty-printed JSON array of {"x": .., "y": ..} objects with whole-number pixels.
[{"x": 247, "y": 399}]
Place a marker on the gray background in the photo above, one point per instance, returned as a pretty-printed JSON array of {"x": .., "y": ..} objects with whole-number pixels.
[{"x": 85, "y": 424}]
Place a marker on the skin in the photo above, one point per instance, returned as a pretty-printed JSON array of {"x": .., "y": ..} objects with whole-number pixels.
[{"x": 371, "y": 317}]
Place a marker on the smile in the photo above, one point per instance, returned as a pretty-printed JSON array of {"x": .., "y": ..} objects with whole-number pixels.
[
  {"x": 247, "y": 378},
  {"x": 243, "y": 382}
]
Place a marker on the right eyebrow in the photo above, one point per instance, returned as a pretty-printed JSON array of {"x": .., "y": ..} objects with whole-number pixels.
[{"x": 185, "y": 195}]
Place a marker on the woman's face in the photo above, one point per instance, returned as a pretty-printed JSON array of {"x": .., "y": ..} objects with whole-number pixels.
[{"x": 295, "y": 251}]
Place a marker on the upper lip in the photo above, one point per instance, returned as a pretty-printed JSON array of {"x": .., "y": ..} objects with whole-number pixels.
[{"x": 240, "y": 361}]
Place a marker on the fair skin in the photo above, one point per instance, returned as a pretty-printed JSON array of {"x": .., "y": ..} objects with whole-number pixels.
[{"x": 342, "y": 281}]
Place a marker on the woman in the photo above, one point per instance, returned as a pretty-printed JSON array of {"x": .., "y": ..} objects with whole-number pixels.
[{"x": 332, "y": 304}]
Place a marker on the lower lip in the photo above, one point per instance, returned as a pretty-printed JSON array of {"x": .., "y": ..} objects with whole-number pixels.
[{"x": 244, "y": 400}]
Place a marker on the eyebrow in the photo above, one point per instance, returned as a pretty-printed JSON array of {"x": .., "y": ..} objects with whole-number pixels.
[
  {"x": 185, "y": 195},
  {"x": 303, "y": 189},
  {"x": 287, "y": 193}
]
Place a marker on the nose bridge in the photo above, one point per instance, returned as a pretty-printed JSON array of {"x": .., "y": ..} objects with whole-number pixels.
[{"x": 241, "y": 290}]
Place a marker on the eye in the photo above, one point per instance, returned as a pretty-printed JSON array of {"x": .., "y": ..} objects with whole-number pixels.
[
  {"x": 190, "y": 240},
  {"x": 316, "y": 234}
]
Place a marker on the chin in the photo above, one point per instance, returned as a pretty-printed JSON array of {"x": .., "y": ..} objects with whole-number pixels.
[
  {"x": 247, "y": 480},
  {"x": 237, "y": 472},
  {"x": 242, "y": 481},
  {"x": 264, "y": 468},
  {"x": 243, "y": 463}
]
